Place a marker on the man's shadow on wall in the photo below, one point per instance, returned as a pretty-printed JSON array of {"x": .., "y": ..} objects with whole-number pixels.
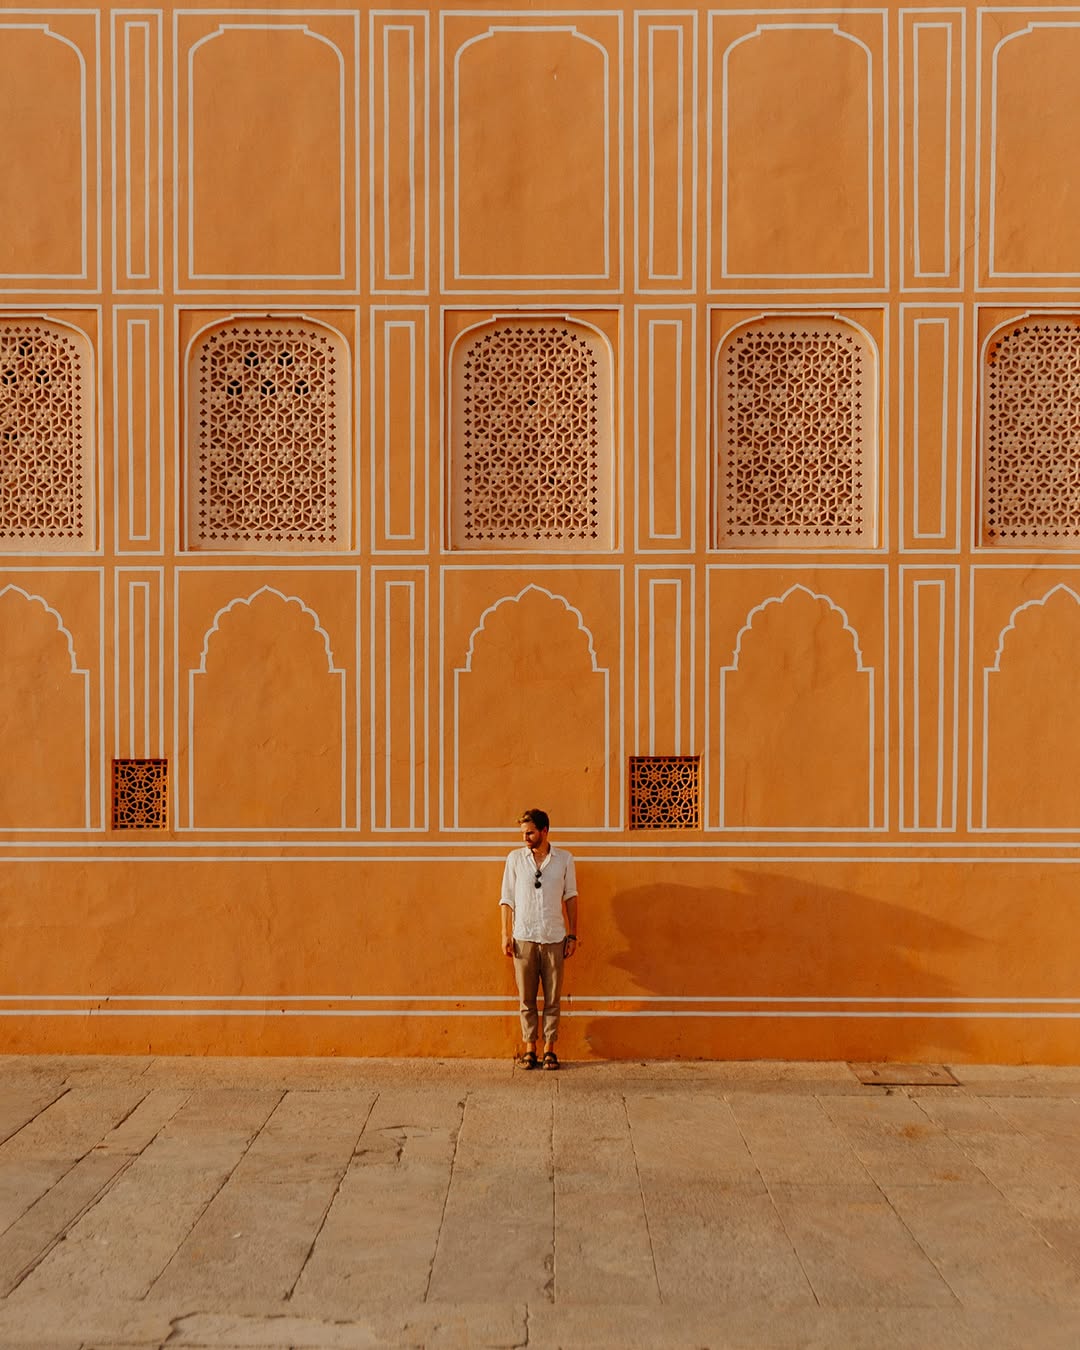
[{"x": 782, "y": 936}]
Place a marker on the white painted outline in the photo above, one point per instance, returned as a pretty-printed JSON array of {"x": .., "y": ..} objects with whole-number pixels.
[
  {"x": 416, "y": 24},
  {"x": 85, "y": 111},
  {"x": 417, "y": 580},
  {"x": 872, "y": 767},
  {"x": 350, "y": 125},
  {"x": 991, "y": 226},
  {"x": 89, "y": 739},
  {"x": 685, "y": 24},
  {"x": 912, "y": 316},
  {"x": 686, "y": 317},
  {"x": 126, "y": 280},
  {"x": 597, "y": 669},
  {"x": 613, "y": 114},
  {"x": 683, "y": 578},
  {"x": 445, "y": 572},
  {"x": 152, "y": 581},
  {"x": 193, "y": 673},
  {"x": 875, "y": 87},
  {"x": 385, "y": 318},
  {"x": 947, "y": 580}
]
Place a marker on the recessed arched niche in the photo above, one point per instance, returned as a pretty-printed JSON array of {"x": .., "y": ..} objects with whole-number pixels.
[
  {"x": 531, "y": 717},
  {"x": 44, "y": 719},
  {"x": 267, "y": 710},
  {"x": 796, "y": 709}
]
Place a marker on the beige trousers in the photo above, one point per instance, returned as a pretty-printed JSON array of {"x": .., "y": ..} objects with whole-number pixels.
[{"x": 535, "y": 964}]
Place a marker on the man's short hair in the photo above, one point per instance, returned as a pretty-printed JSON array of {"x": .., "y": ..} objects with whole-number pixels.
[{"x": 535, "y": 817}]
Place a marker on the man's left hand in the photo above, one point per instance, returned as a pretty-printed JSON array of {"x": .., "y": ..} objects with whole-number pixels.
[{"x": 570, "y": 946}]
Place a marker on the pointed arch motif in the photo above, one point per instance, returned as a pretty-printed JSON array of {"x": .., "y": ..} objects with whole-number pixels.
[
  {"x": 1030, "y": 724},
  {"x": 527, "y": 744},
  {"x": 798, "y": 738},
  {"x": 267, "y": 726},
  {"x": 45, "y": 722}
]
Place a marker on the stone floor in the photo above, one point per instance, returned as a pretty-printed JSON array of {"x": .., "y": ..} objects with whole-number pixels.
[{"x": 324, "y": 1203}]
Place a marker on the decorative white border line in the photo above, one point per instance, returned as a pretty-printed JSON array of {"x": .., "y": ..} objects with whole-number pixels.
[
  {"x": 527, "y": 23},
  {"x": 349, "y": 124},
  {"x": 952, "y": 451},
  {"x": 593, "y": 1006},
  {"x": 417, "y": 580},
  {"x": 948, "y": 705},
  {"x": 713, "y": 812}
]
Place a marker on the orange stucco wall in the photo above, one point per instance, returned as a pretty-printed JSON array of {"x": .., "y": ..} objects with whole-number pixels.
[{"x": 616, "y": 238}]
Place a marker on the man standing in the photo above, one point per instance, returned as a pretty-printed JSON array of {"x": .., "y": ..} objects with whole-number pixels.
[{"x": 538, "y": 883}]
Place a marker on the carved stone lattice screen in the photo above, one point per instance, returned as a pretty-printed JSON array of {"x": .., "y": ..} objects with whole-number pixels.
[
  {"x": 797, "y": 442},
  {"x": 268, "y": 441},
  {"x": 45, "y": 437},
  {"x": 532, "y": 438},
  {"x": 1031, "y": 436},
  {"x": 140, "y": 794},
  {"x": 665, "y": 792}
]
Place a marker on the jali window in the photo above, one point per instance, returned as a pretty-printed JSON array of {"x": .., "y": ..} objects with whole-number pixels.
[
  {"x": 1031, "y": 436},
  {"x": 797, "y": 411},
  {"x": 531, "y": 437},
  {"x": 268, "y": 440},
  {"x": 45, "y": 437}
]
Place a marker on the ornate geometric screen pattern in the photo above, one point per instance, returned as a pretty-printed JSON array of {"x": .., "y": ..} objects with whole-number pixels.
[
  {"x": 532, "y": 439},
  {"x": 665, "y": 792},
  {"x": 44, "y": 440},
  {"x": 1031, "y": 459},
  {"x": 140, "y": 794},
  {"x": 797, "y": 439},
  {"x": 266, "y": 438}
]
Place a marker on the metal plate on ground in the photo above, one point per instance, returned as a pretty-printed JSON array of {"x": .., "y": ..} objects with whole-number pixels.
[{"x": 904, "y": 1075}]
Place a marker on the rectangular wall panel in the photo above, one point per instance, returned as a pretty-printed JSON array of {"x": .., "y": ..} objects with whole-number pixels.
[
  {"x": 932, "y": 131},
  {"x": 665, "y": 139},
  {"x": 664, "y": 662},
  {"x": 399, "y": 151},
  {"x": 664, "y": 380},
  {"x": 928, "y": 705},
  {"x": 399, "y": 703},
  {"x": 138, "y": 429},
  {"x": 136, "y": 151},
  {"x": 399, "y": 429},
  {"x": 931, "y": 365},
  {"x": 139, "y": 665}
]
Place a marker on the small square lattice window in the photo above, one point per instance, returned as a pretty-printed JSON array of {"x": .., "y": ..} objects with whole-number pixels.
[
  {"x": 140, "y": 798},
  {"x": 665, "y": 792}
]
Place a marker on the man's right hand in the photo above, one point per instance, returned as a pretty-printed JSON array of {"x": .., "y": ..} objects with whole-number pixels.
[{"x": 508, "y": 946}]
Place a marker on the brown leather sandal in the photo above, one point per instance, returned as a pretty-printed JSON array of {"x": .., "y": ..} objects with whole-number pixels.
[
  {"x": 551, "y": 1059},
  {"x": 527, "y": 1060}
]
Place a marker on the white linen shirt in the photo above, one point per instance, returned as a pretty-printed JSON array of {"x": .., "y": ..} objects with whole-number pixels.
[{"x": 538, "y": 911}]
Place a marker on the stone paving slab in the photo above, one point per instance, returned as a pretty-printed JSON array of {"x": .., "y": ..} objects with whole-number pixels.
[{"x": 236, "y": 1204}]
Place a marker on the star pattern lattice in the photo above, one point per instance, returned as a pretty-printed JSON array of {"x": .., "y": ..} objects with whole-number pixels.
[
  {"x": 42, "y": 389},
  {"x": 266, "y": 454},
  {"x": 530, "y": 454},
  {"x": 140, "y": 794},
  {"x": 665, "y": 792},
  {"x": 794, "y": 446},
  {"x": 1031, "y": 470}
]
